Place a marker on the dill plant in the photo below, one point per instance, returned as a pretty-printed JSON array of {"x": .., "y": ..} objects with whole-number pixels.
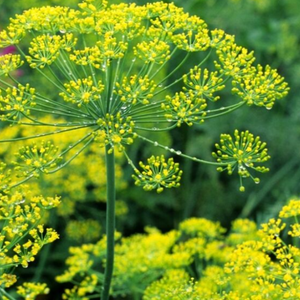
[
  {"x": 200, "y": 260},
  {"x": 107, "y": 64}
]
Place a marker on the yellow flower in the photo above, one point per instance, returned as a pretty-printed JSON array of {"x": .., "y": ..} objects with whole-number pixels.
[
  {"x": 158, "y": 174},
  {"x": 241, "y": 154},
  {"x": 292, "y": 209},
  {"x": 30, "y": 290},
  {"x": 9, "y": 62}
]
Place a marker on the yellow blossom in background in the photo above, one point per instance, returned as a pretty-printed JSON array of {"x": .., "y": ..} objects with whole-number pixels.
[
  {"x": 292, "y": 209},
  {"x": 83, "y": 230},
  {"x": 242, "y": 230},
  {"x": 194, "y": 263},
  {"x": 31, "y": 290},
  {"x": 202, "y": 228},
  {"x": 7, "y": 280}
]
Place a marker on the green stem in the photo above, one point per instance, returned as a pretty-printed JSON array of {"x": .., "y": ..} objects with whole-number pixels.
[
  {"x": 21, "y": 182},
  {"x": 179, "y": 153},
  {"x": 42, "y": 263},
  {"x": 110, "y": 219},
  {"x": 225, "y": 110},
  {"x": 3, "y": 293},
  {"x": 42, "y": 134}
]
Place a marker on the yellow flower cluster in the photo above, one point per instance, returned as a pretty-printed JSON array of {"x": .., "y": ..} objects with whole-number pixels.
[
  {"x": 147, "y": 255},
  {"x": 166, "y": 18},
  {"x": 242, "y": 229},
  {"x": 30, "y": 290},
  {"x": 11, "y": 36},
  {"x": 44, "y": 50},
  {"x": 136, "y": 255},
  {"x": 142, "y": 258},
  {"x": 47, "y": 19},
  {"x": 241, "y": 154},
  {"x": 5, "y": 178},
  {"x": 195, "y": 36},
  {"x": 185, "y": 108},
  {"x": 115, "y": 131},
  {"x": 158, "y": 174},
  {"x": 251, "y": 271},
  {"x": 201, "y": 228},
  {"x": 89, "y": 8},
  {"x": 21, "y": 236},
  {"x": 87, "y": 56},
  {"x": 110, "y": 48},
  {"x": 148, "y": 37},
  {"x": 156, "y": 51},
  {"x": 295, "y": 232},
  {"x": 136, "y": 89},
  {"x": 219, "y": 39},
  {"x": 82, "y": 91},
  {"x": 292, "y": 209},
  {"x": 107, "y": 62},
  {"x": 80, "y": 263},
  {"x": 271, "y": 264},
  {"x": 234, "y": 60},
  {"x": 204, "y": 83},
  {"x": 9, "y": 62},
  {"x": 7, "y": 280},
  {"x": 99, "y": 56},
  {"x": 260, "y": 87},
  {"x": 15, "y": 102},
  {"x": 88, "y": 285},
  {"x": 35, "y": 159},
  {"x": 175, "y": 285},
  {"x": 25, "y": 253}
]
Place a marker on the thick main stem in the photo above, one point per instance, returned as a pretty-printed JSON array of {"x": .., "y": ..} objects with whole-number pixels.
[{"x": 110, "y": 220}]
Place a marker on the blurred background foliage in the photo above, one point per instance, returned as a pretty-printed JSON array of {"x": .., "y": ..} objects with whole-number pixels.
[{"x": 271, "y": 28}]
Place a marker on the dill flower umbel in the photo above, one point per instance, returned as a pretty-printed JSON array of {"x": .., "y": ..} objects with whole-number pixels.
[
  {"x": 107, "y": 64},
  {"x": 291, "y": 209},
  {"x": 36, "y": 159},
  {"x": 158, "y": 174},
  {"x": 241, "y": 154},
  {"x": 30, "y": 290},
  {"x": 9, "y": 62}
]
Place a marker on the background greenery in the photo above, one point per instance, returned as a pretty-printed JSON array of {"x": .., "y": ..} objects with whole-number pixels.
[{"x": 272, "y": 29}]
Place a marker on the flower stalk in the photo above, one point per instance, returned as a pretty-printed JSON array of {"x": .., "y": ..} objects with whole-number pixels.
[{"x": 110, "y": 220}]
